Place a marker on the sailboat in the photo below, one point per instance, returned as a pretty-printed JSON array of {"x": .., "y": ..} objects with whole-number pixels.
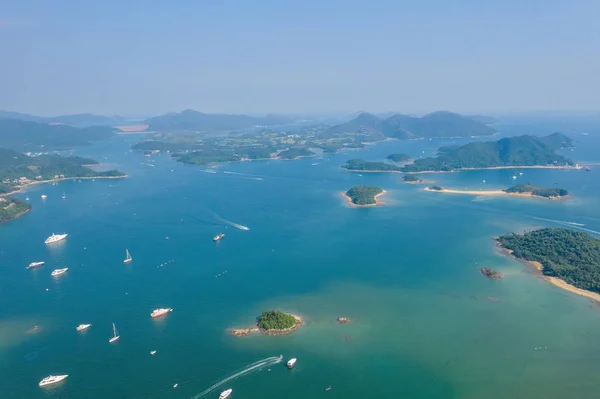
[
  {"x": 128, "y": 257},
  {"x": 64, "y": 196},
  {"x": 115, "y": 336}
]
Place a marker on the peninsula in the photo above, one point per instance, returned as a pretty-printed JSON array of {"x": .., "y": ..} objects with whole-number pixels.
[
  {"x": 360, "y": 196},
  {"x": 510, "y": 152},
  {"x": 519, "y": 190},
  {"x": 566, "y": 258},
  {"x": 398, "y": 158},
  {"x": 271, "y": 322},
  {"x": 12, "y": 208}
]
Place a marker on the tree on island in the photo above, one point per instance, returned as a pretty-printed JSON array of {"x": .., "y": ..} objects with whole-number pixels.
[
  {"x": 364, "y": 195},
  {"x": 275, "y": 320},
  {"x": 436, "y": 188},
  {"x": 538, "y": 191},
  {"x": 410, "y": 178},
  {"x": 569, "y": 255}
]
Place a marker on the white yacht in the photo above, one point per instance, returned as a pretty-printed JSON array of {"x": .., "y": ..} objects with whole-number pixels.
[
  {"x": 35, "y": 264},
  {"x": 219, "y": 237},
  {"x": 55, "y": 238},
  {"x": 160, "y": 312},
  {"x": 153, "y": 353},
  {"x": 291, "y": 363},
  {"x": 83, "y": 327},
  {"x": 115, "y": 336},
  {"x": 44, "y": 196},
  {"x": 225, "y": 394},
  {"x": 52, "y": 379},
  {"x": 128, "y": 257},
  {"x": 58, "y": 272}
]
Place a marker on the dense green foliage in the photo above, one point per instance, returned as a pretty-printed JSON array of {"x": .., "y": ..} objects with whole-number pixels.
[
  {"x": 569, "y": 255},
  {"x": 510, "y": 151},
  {"x": 14, "y": 165},
  {"x": 12, "y": 208},
  {"x": 274, "y": 319},
  {"x": 436, "y": 188},
  {"x": 410, "y": 178},
  {"x": 541, "y": 192},
  {"x": 194, "y": 120},
  {"x": 363, "y": 195},
  {"x": 295, "y": 152},
  {"x": 398, "y": 157},
  {"x": 34, "y": 136},
  {"x": 436, "y": 124},
  {"x": 361, "y": 164}
]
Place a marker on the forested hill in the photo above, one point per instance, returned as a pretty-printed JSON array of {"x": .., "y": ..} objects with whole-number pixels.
[
  {"x": 436, "y": 124},
  {"x": 510, "y": 151},
  {"x": 34, "y": 136},
  {"x": 569, "y": 255}
]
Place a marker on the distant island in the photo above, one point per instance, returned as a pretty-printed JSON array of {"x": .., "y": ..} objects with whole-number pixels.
[
  {"x": 194, "y": 138},
  {"x": 360, "y": 196},
  {"x": 272, "y": 322},
  {"x": 491, "y": 274},
  {"x": 511, "y": 152},
  {"x": 398, "y": 158},
  {"x": 521, "y": 190},
  {"x": 414, "y": 179},
  {"x": 566, "y": 258},
  {"x": 19, "y": 170}
]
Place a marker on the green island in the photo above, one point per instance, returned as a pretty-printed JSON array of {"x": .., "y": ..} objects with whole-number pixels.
[
  {"x": 491, "y": 274},
  {"x": 411, "y": 179},
  {"x": 398, "y": 158},
  {"x": 18, "y": 170},
  {"x": 12, "y": 208},
  {"x": 435, "y": 188},
  {"x": 364, "y": 195},
  {"x": 562, "y": 255},
  {"x": 271, "y": 322},
  {"x": 526, "y": 188},
  {"x": 509, "y": 152},
  {"x": 196, "y": 138}
]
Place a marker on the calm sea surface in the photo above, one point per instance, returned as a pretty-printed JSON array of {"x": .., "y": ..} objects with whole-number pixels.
[{"x": 426, "y": 324}]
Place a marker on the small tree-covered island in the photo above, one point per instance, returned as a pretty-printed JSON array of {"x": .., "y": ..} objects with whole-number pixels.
[
  {"x": 566, "y": 258},
  {"x": 490, "y": 273},
  {"x": 271, "y": 322},
  {"x": 359, "y": 196}
]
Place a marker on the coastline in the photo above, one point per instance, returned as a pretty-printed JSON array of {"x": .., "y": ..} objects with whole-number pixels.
[
  {"x": 353, "y": 205},
  {"x": 242, "y": 332},
  {"x": 539, "y": 268},
  {"x": 19, "y": 188},
  {"x": 494, "y": 193}
]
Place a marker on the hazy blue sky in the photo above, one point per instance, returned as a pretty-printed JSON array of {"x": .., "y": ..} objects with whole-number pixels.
[{"x": 130, "y": 56}]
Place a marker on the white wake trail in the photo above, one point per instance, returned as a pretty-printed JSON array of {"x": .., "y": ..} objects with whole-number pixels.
[{"x": 250, "y": 368}]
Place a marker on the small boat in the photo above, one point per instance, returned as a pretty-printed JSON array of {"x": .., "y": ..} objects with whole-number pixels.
[
  {"x": 64, "y": 196},
  {"x": 219, "y": 237},
  {"x": 291, "y": 363},
  {"x": 160, "y": 312},
  {"x": 115, "y": 336},
  {"x": 514, "y": 177},
  {"x": 55, "y": 237},
  {"x": 83, "y": 327},
  {"x": 58, "y": 272},
  {"x": 52, "y": 379},
  {"x": 44, "y": 196},
  {"x": 128, "y": 257},
  {"x": 153, "y": 353},
  {"x": 26, "y": 198},
  {"x": 225, "y": 394},
  {"x": 35, "y": 264},
  {"x": 175, "y": 386},
  {"x": 327, "y": 389}
]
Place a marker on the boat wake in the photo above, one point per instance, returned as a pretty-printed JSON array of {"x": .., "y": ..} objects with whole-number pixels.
[
  {"x": 579, "y": 226},
  {"x": 269, "y": 361}
]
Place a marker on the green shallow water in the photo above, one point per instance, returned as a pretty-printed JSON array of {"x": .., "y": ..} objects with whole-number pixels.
[{"x": 425, "y": 324}]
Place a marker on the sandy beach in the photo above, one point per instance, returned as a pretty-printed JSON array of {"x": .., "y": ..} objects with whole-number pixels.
[
  {"x": 352, "y": 204},
  {"x": 553, "y": 280},
  {"x": 493, "y": 193}
]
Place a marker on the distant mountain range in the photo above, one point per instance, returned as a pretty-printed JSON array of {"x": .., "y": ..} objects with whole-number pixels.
[
  {"x": 76, "y": 120},
  {"x": 35, "y": 136},
  {"x": 194, "y": 120},
  {"x": 436, "y": 124}
]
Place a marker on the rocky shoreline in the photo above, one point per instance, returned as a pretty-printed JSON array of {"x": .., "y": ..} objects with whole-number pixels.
[
  {"x": 343, "y": 320},
  {"x": 242, "y": 332}
]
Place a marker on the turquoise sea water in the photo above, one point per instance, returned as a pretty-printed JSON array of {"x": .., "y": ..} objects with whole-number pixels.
[{"x": 426, "y": 324}]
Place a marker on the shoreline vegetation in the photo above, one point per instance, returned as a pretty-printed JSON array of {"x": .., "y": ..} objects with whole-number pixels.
[
  {"x": 272, "y": 323},
  {"x": 20, "y": 188},
  {"x": 364, "y": 196},
  {"x": 565, "y": 258},
  {"x": 515, "y": 191}
]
